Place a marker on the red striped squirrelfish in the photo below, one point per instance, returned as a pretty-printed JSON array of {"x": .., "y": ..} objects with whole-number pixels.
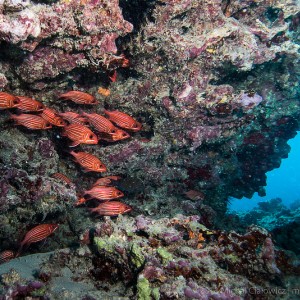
[
  {"x": 6, "y": 256},
  {"x": 74, "y": 118},
  {"x": 117, "y": 135},
  {"x": 89, "y": 162},
  {"x": 106, "y": 180},
  {"x": 52, "y": 117},
  {"x": 61, "y": 177},
  {"x": 8, "y": 101},
  {"x": 31, "y": 121},
  {"x": 103, "y": 125},
  {"x": 28, "y": 104},
  {"x": 123, "y": 120},
  {"x": 36, "y": 234},
  {"x": 111, "y": 208},
  {"x": 100, "y": 123},
  {"x": 79, "y": 97},
  {"x": 104, "y": 193},
  {"x": 79, "y": 134}
]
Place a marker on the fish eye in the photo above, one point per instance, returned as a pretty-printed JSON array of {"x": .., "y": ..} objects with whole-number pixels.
[
  {"x": 113, "y": 131},
  {"x": 119, "y": 193},
  {"x": 16, "y": 101},
  {"x": 91, "y": 136},
  {"x": 124, "y": 134},
  {"x": 48, "y": 124},
  {"x": 135, "y": 125}
]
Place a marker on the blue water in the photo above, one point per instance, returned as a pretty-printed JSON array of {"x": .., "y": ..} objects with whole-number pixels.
[{"x": 283, "y": 182}]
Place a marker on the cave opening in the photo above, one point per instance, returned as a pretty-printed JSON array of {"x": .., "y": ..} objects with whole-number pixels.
[{"x": 282, "y": 182}]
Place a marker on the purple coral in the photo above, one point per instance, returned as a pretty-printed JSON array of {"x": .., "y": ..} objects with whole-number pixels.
[
  {"x": 249, "y": 100},
  {"x": 51, "y": 62},
  {"x": 46, "y": 148},
  {"x": 268, "y": 255},
  {"x": 142, "y": 222}
]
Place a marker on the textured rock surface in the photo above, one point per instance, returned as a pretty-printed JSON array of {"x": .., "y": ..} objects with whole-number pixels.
[
  {"x": 215, "y": 85},
  {"x": 130, "y": 257},
  {"x": 53, "y": 39}
]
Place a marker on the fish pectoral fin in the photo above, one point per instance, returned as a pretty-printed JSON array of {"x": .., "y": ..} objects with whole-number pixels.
[{"x": 74, "y": 144}]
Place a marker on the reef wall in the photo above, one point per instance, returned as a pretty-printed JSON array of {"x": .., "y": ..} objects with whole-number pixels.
[{"x": 214, "y": 83}]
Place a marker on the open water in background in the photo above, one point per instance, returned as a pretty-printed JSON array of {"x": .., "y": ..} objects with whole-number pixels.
[{"x": 283, "y": 182}]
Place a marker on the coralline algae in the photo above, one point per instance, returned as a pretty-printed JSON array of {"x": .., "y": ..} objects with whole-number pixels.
[{"x": 215, "y": 84}]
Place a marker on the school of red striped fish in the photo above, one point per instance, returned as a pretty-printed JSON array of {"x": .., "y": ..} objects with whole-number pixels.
[{"x": 34, "y": 115}]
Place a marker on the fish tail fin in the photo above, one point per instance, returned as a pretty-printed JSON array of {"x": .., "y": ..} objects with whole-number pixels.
[
  {"x": 93, "y": 210},
  {"x": 63, "y": 96},
  {"x": 80, "y": 201},
  {"x": 12, "y": 116},
  {"x": 71, "y": 152},
  {"x": 19, "y": 251},
  {"x": 63, "y": 133}
]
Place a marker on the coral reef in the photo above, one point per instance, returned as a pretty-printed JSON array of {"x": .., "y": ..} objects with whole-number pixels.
[
  {"x": 215, "y": 85},
  {"x": 51, "y": 39},
  {"x": 132, "y": 256},
  {"x": 281, "y": 221},
  {"x": 205, "y": 78}
]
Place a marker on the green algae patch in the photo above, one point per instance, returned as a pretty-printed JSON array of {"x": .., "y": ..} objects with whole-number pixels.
[
  {"x": 155, "y": 293},
  {"x": 103, "y": 245},
  {"x": 106, "y": 244},
  {"x": 143, "y": 289},
  {"x": 136, "y": 255},
  {"x": 164, "y": 254},
  {"x": 39, "y": 292},
  {"x": 232, "y": 258},
  {"x": 194, "y": 226}
]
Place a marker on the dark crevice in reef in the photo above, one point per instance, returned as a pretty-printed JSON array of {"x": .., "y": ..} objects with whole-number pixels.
[
  {"x": 230, "y": 74},
  {"x": 137, "y": 12},
  {"x": 11, "y": 53},
  {"x": 290, "y": 233}
]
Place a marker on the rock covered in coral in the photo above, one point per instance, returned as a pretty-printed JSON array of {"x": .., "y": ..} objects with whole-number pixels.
[
  {"x": 282, "y": 221},
  {"x": 60, "y": 36},
  {"x": 130, "y": 258},
  {"x": 204, "y": 89},
  {"x": 208, "y": 78},
  {"x": 215, "y": 85},
  {"x": 50, "y": 61},
  {"x": 270, "y": 215}
]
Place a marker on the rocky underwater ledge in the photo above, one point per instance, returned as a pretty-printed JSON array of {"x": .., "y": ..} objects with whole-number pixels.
[{"x": 215, "y": 85}]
